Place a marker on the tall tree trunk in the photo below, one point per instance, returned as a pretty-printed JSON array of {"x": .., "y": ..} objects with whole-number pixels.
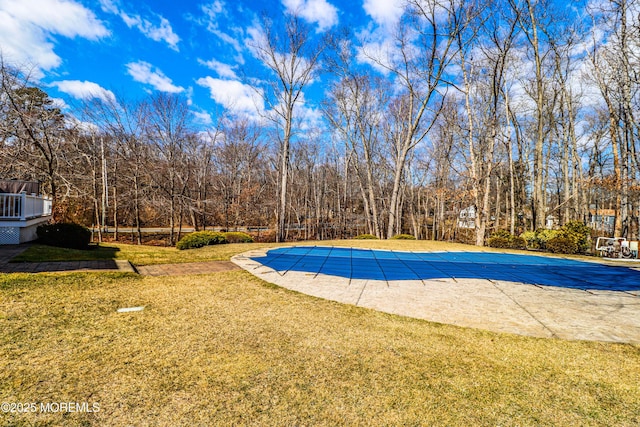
[
  {"x": 283, "y": 177},
  {"x": 512, "y": 184},
  {"x": 136, "y": 207},
  {"x": 394, "y": 203}
]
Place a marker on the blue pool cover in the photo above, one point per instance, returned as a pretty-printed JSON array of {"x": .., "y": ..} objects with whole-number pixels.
[{"x": 397, "y": 265}]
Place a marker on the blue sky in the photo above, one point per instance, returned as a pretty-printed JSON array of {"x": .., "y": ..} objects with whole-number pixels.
[{"x": 84, "y": 48}]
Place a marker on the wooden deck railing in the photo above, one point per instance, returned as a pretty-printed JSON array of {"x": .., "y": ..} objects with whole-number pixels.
[{"x": 23, "y": 206}]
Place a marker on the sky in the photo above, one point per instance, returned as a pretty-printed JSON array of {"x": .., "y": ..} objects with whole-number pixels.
[{"x": 78, "y": 49}]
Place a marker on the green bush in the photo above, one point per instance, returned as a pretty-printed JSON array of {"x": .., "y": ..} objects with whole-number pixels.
[
  {"x": 64, "y": 235},
  {"x": 574, "y": 231},
  {"x": 544, "y": 235},
  {"x": 562, "y": 245},
  {"x": 200, "y": 239},
  {"x": 366, "y": 237},
  {"x": 498, "y": 242},
  {"x": 579, "y": 233},
  {"x": 403, "y": 237},
  {"x": 531, "y": 239},
  {"x": 517, "y": 243},
  {"x": 237, "y": 237},
  {"x": 502, "y": 233},
  {"x": 502, "y": 239}
]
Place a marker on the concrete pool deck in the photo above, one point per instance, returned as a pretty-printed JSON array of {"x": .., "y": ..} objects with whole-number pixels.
[{"x": 492, "y": 303}]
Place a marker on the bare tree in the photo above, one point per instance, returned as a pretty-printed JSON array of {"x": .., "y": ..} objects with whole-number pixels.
[
  {"x": 611, "y": 59},
  {"x": 423, "y": 50},
  {"x": 237, "y": 157},
  {"x": 530, "y": 15},
  {"x": 355, "y": 109},
  {"x": 122, "y": 124},
  {"x": 33, "y": 129},
  {"x": 168, "y": 130},
  {"x": 292, "y": 58},
  {"x": 483, "y": 80}
]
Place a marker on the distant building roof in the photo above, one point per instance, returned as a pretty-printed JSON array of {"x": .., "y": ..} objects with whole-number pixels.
[{"x": 605, "y": 212}]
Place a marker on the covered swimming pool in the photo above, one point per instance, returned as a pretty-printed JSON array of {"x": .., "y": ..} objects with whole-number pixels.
[
  {"x": 385, "y": 265},
  {"x": 542, "y": 296}
]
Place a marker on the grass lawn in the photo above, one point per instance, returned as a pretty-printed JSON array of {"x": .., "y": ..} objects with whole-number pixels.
[
  {"x": 150, "y": 255},
  {"x": 137, "y": 255},
  {"x": 229, "y": 349}
]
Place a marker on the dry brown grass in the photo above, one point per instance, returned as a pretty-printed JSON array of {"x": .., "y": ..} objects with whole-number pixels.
[
  {"x": 151, "y": 255},
  {"x": 139, "y": 255},
  {"x": 229, "y": 349}
]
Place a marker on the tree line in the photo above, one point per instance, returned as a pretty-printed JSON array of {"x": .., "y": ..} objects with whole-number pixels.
[{"x": 519, "y": 112}]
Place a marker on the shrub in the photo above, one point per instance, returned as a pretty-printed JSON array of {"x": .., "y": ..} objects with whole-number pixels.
[
  {"x": 544, "y": 235},
  {"x": 237, "y": 237},
  {"x": 562, "y": 245},
  {"x": 502, "y": 239},
  {"x": 200, "y": 239},
  {"x": 502, "y": 233},
  {"x": 579, "y": 233},
  {"x": 64, "y": 235},
  {"x": 403, "y": 237},
  {"x": 517, "y": 243},
  {"x": 531, "y": 239},
  {"x": 498, "y": 242},
  {"x": 467, "y": 236},
  {"x": 268, "y": 236},
  {"x": 366, "y": 237}
]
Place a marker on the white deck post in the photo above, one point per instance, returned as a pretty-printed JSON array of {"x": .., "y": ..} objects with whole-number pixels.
[{"x": 23, "y": 205}]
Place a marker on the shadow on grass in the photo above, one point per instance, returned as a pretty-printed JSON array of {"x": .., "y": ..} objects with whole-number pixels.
[{"x": 44, "y": 253}]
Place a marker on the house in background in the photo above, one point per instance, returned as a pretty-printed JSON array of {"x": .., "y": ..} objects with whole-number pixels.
[
  {"x": 22, "y": 210},
  {"x": 467, "y": 218},
  {"x": 551, "y": 222}
]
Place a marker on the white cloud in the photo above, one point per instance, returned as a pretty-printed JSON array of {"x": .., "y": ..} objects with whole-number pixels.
[
  {"x": 63, "y": 17},
  {"x": 84, "y": 90},
  {"x": 160, "y": 33},
  {"x": 86, "y": 127},
  {"x": 212, "y": 14},
  {"x": 255, "y": 37},
  {"x": 109, "y": 6},
  {"x": 215, "y": 12},
  {"x": 233, "y": 95},
  {"x": 381, "y": 45},
  {"x": 314, "y": 11},
  {"x": 311, "y": 118},
  {"x": 144, "y": 72},
  {"x": 27, "y": 28},
  {"x": 379, "y": 52},
  {"x": 378, "y": 45},
  {"x": 203, "y": 117},
  {"x": 223, "y": 70},
  {"x": 60, "y": 103},
  {"x": 163, "y": 32},
  {"x": 227, "y": 39},
  {"x": 385, "y": 13}
]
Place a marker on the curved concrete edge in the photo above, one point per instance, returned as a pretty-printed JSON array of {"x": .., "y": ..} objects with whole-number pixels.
[{"x": 498, "y": 306}]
